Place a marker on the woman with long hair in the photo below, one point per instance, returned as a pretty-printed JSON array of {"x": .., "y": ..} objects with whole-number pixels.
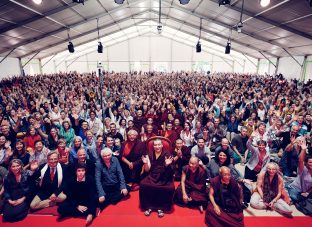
[
  {"x": 16, "y": 192},
  {"x": 21, "y": 154},
  {"x": 269, "y": 191},
  {"x": 30, "y": 138},
  {"x": 186, "y": 135}
]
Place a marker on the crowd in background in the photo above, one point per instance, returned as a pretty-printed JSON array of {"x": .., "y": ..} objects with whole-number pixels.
[{"x": 62, "y": 122}]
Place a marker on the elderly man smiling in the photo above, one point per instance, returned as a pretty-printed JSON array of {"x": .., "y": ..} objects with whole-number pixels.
[{"x": 110, "y": 181}]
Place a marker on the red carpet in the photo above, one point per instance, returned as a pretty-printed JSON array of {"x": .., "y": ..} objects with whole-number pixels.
[{"x": 128, "y": 213}]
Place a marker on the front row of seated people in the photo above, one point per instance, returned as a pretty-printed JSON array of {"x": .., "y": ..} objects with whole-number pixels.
[{"x": 74, "y": 189}]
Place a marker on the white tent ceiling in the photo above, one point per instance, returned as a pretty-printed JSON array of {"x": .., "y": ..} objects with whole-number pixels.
[{"x": 282, "y": 28}]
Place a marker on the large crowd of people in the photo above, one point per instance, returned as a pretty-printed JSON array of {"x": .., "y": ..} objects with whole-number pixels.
[{"x": 66, "y": 141}]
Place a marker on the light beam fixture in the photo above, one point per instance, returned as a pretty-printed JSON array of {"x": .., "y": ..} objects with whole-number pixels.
[
  {"x": 184, "y": 2},
  {"x": 37, "y": 2},
  {"x": 264, "y": 3},
  {"x": 224, "y": 2},
  {"x": 119, "y": 2},
  {"x": 79, "y": 1}
]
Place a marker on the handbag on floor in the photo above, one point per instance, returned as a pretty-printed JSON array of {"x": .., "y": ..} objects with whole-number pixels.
[{"x": 305, "y": 206}]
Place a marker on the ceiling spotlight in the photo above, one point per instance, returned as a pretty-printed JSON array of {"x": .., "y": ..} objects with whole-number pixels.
[
  {"x": 224, "y": 2},
  {"x": 71, "y": 47},
  {"x": 239, "y": 27},
  {"x": 100, "y": 48},
  {"x": 198, "y": 47},
  {"x": 228, "y": 47},
  {"x": 38, "y": 2},
  {"x": 79, "y": 1},
  {"x": 119, "y": 2},
  {"x": 184, "y": 2},
  {"x": 159, "y": 29},
  {"x": 264, "y": 3}
]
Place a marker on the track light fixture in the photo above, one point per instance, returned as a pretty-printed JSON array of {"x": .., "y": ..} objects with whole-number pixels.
[
  {"x": 198, "y": 45},
  {"x": 239, "y": 25},
  {"x": 228, "y": 47},
  {"x": 228, "y": 44},
  {"x": 159, "y": 26},
  {"x": 100, "y": 48},
  {"x": 119, "y": 2},
  {"x": 184, "y": 2},
  {"x": 224, "y": 2},
  {"x": 71, "y": 47},
  {"x": 79, "y": 1}
]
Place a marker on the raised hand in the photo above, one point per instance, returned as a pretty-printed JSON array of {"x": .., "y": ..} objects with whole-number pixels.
[
  {"x": 303, "y": 144},
  {"x": 145, "y": 159},
  {"x": 168, "y": 160},
  {"x": 34, "y": 165}
]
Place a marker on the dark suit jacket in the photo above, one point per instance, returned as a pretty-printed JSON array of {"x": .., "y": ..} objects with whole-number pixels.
[{"x": 48, "y": 187}]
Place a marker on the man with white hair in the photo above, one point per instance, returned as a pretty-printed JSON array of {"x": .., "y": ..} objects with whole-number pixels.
[{"x": 110, "y": 181}]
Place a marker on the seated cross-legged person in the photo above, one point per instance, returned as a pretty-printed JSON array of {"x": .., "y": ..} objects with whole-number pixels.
[
  {"x": 81, "y": 196},
  {"x": 224, "y": 208},
  {"x": 16, "y": 192},
  {"x": 269, "y": 191},
  {"x": 51, "y": 181},
  {"x": 192, "y": 190},
  {"x": 109, "y": 179},
  {"x": 131, "y": 162},
  {"x": 157, "y": 188}
]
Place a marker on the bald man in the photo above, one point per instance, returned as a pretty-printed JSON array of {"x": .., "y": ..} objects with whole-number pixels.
[
  {"x": 82, "y": 159},
  {"x": 226, "y": 148},
  {"x": 192, "y": 190},
  {"x": 225, "y": 197},
  {"x": 131, "y": 158}
]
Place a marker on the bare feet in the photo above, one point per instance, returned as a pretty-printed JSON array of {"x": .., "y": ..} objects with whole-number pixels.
[
  {"x": 201, "y": 209},
  {"x": 89, "y": 219}
]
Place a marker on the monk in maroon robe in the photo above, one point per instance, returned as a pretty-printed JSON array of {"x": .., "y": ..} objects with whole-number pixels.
[
  {"x": 157, "y": 188},
  {"x": 181, "y": 158},
  {"x": 131, "y": 162},
  {"x": 225, "y": 196},
  {"x": 192, "y": 190},
  {"x": 170, "y": 134}
]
